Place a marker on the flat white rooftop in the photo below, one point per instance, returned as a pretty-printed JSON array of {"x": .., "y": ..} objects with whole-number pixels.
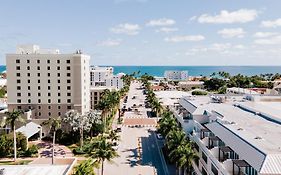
[{"x": 34, "y": 169}]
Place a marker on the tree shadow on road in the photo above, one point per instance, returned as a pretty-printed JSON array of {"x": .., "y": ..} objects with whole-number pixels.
[
  {"x": 132, "y": 158},
  {"x": 150, "y": 154}
]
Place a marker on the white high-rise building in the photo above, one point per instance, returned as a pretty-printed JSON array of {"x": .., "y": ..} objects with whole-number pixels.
[
  {"x": 103, "y": 76},
  {"x": 47, "y": 83},
  {"x": 172, "y": 75}
]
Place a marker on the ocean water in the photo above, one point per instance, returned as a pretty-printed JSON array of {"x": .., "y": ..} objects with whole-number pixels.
[
  {"x": 199, "y": 70},
  {"x": 193, "y": 70}
]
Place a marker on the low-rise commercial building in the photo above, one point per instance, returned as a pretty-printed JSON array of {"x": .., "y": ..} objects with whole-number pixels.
[{"x": 233, "y": 135}]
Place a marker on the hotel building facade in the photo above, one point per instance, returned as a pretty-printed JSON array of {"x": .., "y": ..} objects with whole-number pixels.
[{"x": 45, "y": 83}]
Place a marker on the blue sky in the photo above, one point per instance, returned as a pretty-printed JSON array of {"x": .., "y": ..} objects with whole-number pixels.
[{"x": 148, "y": 32}]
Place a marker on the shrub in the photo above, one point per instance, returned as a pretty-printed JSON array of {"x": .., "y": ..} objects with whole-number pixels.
[
  {"x": 199, "y": 93},
  {"x": 7, "y": 144}
]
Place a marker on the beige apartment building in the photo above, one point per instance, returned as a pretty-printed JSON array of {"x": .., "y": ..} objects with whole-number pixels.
[
  {"x": 96, "y": 94},
  {"x": 45, "y": 83}
]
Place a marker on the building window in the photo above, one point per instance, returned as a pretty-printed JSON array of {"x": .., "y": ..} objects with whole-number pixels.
[
  {"x": 48, "y": 68},
  {"x": 58, "y": 74},
  {"x": 28, "y": 74},
  {"x": 58, "y": 61},
  {"x": 17, "y": 61},
  {"x": 38, "y": 67},
  {"x": 68, "y": 100},
  {"x": 39, "y": 94},
  {"x": 38, "y": 61},
  {"x": 68, "y": 61},
  {"x": 39, "y": 100},
  {"x": 18, "y": 88},
  {"x": 68, "y": 68},
  {"x": 68, "y": 88},
  {"x": 68, "y": 107},
  {"x": 38, "y": 81},
  {"x": 29, "y": 101},
  {"x": 28, "y": 61},
  {"x": 59, "y": 113},
  {"x": 68, "y": 74},
  {"x": 68, "y": 81},
  {"x": 49, "y": 114},
  {"x": 28, "y": 81},
  {"x": 18, "y": 67},
  {"x": 18, "y": 74},
  {"x": 19, "y": 107},
  {"x": 49, "y": 100},
  {"x": 58, "y": 81},
  {"x": 18, "y": 100},
  {"x": 28, "y": 67},
  {"x": 214, "y": 170},
  {"x": 18, "y": 94},
  {"x": 39, "y": 88},
  {"x": 39, "y": 113},
  {"x": 58, "y": 87},
  {"x": 58, "y": 67},
  {"x": 58, "y": 107},
  {"x": 49, "y": 74},
  {"x": 49, "y": 87},
  {"x": 68, "y": 94},
  {"x": 59, "y": 101},
  {"x": 38, "y": 74},
  {"x": 48, "y": 61},
  {"x": 49, "y": 107},
  {"x": 49, "y": 94},
  {"x": 59, "y": 94},
  {"x": 28, "y": 87},
  {"x": 29, "y": 94},
  {"x": 39, "y": 107},
  {"x": 49, "y": 81},
  {"x": 18, "y": 80}
]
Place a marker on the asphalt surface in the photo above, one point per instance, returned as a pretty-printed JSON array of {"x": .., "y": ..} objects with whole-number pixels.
[{"x": 138, "y": 148}]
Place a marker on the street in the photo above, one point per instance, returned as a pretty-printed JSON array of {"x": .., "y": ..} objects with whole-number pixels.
[{"x": 138, "y": 149}]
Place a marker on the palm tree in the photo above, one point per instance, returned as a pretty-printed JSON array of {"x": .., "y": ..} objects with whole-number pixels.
[
  {"x": 167, "y": 123},
  {"x": 175, "y": 138},
  {"x": 102, "y": 149},
  {"x": 11, "y": 118},
  {"x": 183, "y": 155},
  {"x": 54, "y": 124},
  {"x": 86, "y": 167}
]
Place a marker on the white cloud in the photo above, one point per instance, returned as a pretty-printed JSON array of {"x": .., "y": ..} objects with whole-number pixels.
[
  {"x": 161, "y": 22},
  {"x": 231, "y": 33},
  {"x": 276, "y": 40},
  {"x": 185, "y": 38},
  {"x": 193, "y": 18},
  {"x": 264, "y": 34},
  {"x": 239, "y": 16},
  {"x": 110, "y": 43},
  {"x": 271, "y": 24},
  {"x": 167, "y": 30},
  {"x": 220, "y": 48},
  {"x": 128, "y": 29}
]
